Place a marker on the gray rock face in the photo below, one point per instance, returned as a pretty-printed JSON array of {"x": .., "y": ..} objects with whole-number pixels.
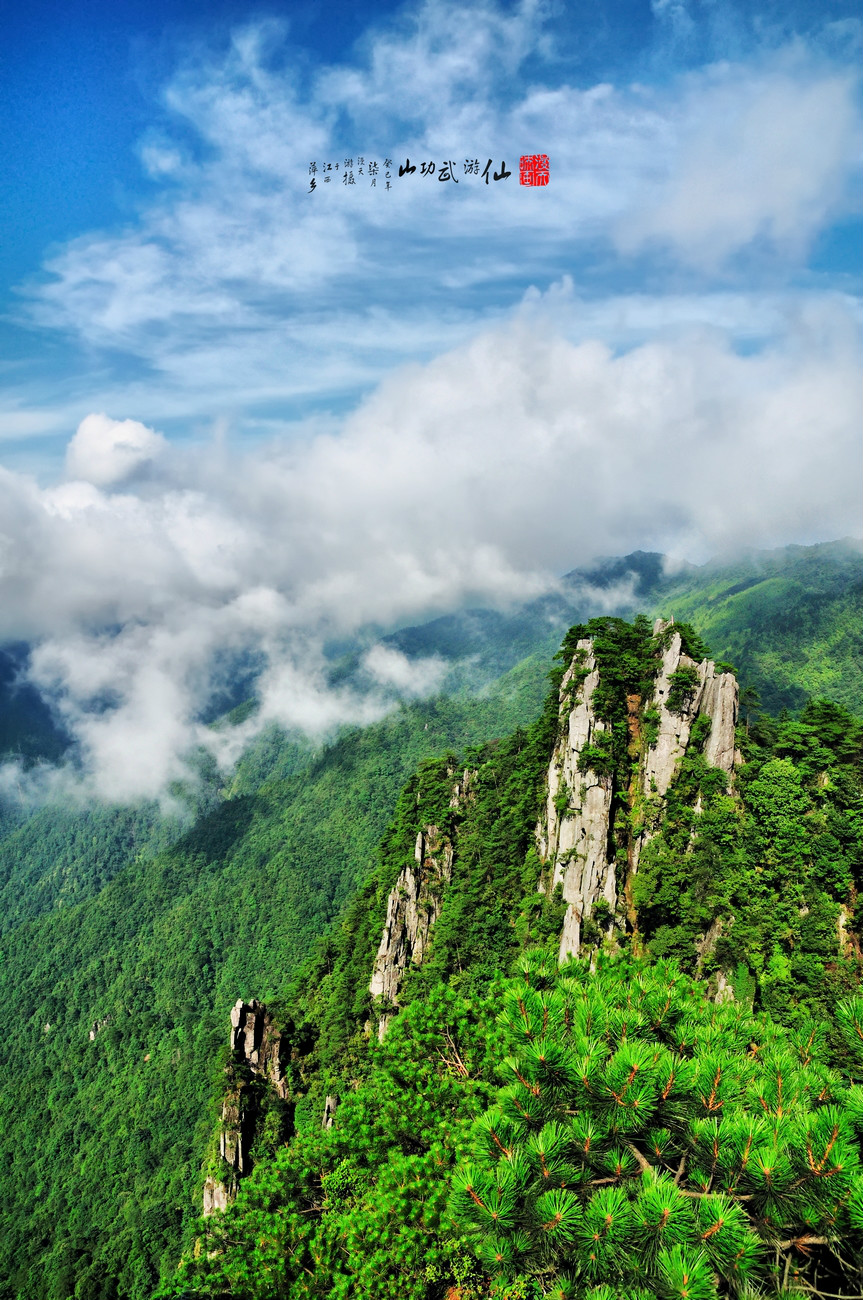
[
  {"x": 575, "y": 837},
  {"x": 413, "y": 906},
  {"x": 232, "y": 1147},
  {"x": 715, "y": 694},
  {"x": 98, "y": 1026},
  {"x": 256, "y": 1042},
  {"x": 215, "y": 1197},
  {"x": 256, "y": 1047},
  {"x": 721, "y": 700},
  {"x": 849, "y": 944}
]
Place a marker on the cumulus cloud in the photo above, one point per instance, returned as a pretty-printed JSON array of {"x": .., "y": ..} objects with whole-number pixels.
[
  {"x": 105, "y": 451},
  {"x": 473, "y": 479}
]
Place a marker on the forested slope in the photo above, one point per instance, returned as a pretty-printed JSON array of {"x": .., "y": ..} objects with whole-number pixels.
[
  {"x": 102, "y": 1139},
  {"x": 143, "y": 933},
  {"x": 748, "y": 875},
  {"x": 790, "y": 620}
]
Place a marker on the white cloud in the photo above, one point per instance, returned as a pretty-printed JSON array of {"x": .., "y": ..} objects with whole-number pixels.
[
  {"x": 450, "y": 58},
  {"x": 160, "y": 159},
  {"x": 105, "y": 451},
  {"x": 410, "y": 677},
  {"x": 473, "y": 479},
  {"x": 512, "y": 435},
  {"x": 765, "y": 157},
  {"x": 238, "y": 291}
]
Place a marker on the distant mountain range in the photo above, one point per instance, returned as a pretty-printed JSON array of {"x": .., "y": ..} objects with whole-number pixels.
[
  {"x": 790, "y": 620},
  {"x": 126, "y": 937}
]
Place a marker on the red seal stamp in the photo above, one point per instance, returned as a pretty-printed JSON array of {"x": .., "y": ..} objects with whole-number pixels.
[{"x": 533, "y": 169}]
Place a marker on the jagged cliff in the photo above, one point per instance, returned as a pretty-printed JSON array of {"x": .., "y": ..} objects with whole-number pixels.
[
  {"x": 413, "y": 906},
  {"x": 585, "y": 845},
  {"x": 714, "y": 694},
  {"x": 573, "y": 838},
  {"x": 625, "y": 790},
  {"x": 672, "y": 870},
  {"x": 256, "y": 1065},
  {"x": 592, "y": 830},
  {"x": 601, "y": 807}
]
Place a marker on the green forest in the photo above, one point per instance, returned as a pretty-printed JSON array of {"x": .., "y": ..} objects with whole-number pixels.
[
  {"x": 506, "y": 1123},
  {"x": 605, "y": 1128}
]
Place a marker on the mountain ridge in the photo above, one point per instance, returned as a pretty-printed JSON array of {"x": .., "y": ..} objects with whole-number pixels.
[
  {"x": 645, "y": 722},
  {"x": 160, "y": 947}
]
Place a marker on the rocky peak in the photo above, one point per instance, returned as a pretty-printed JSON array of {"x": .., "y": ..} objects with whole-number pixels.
[
  {"x": 257, "y": 1043},
  {"x": 573, "y": 838},
  {"x": 579, "y": 845},
  {"x": 413, "y": 906},
  {"x": 256, "y": 1059},
  {"x": 712, "y": 693}
]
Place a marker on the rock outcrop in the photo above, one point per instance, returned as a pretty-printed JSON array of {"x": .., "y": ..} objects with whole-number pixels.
[
  {"x": 216, "y": 1197},
  {"x": 574, "y": 839},
  {"x": 413, "y": 906},
  {"x": 257, "y": 1043},
  {"x": 714, "y": 694},
  {"x": 849, "y": 942},
  {"x": 256, "y": 1055},
  {"x": 577, "y": 840},
  {"x": 97, "y": 1027}
]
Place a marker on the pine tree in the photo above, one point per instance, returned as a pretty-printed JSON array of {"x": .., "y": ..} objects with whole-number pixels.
[{"x": 650, "y": 1142}]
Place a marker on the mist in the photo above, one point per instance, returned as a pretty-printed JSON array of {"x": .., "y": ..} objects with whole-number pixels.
[{"x": 475, "y": 479}]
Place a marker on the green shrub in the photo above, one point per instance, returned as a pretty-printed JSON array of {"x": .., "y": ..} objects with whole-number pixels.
[
  {"x": 650, "y": 1140},
  {"x": 682, "y": 686}
]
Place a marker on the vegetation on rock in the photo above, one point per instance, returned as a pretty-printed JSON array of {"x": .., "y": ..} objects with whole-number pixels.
[
  {"x": 127, "y": 940},
  {"x": 606, "y": 1128}
]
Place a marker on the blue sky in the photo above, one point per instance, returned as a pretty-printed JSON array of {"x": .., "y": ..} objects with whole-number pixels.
[
  {"x": 237, "y": 417},
  {"x": 162, "y": 260}
]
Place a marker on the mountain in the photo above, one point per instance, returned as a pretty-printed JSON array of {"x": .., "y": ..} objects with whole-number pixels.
[
  {"x": 149, "y": 966},
  {"x": 127, "y": 940},
  {"x": 634, "y": 820},
  {"x": 28, "y": 728},
  {"x": 788, "y": 619},
  {"x": 791, "y": 621}
]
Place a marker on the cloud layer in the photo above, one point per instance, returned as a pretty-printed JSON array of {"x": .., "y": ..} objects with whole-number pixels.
[
  {"x": 475, "y": 478},
  {"x": 642, "y": 354}
]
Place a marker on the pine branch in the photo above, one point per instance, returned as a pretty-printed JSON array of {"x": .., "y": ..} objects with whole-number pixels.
[
  {"x": 802, "y": 1243},
  {"x": 457, "y": 1065},
  {"x": 452, "y": 1046},
  {"x": 703, "y": 1196},
  {"x": 827, "y": 1295},
  {"x": 644, "y": 1165}
]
